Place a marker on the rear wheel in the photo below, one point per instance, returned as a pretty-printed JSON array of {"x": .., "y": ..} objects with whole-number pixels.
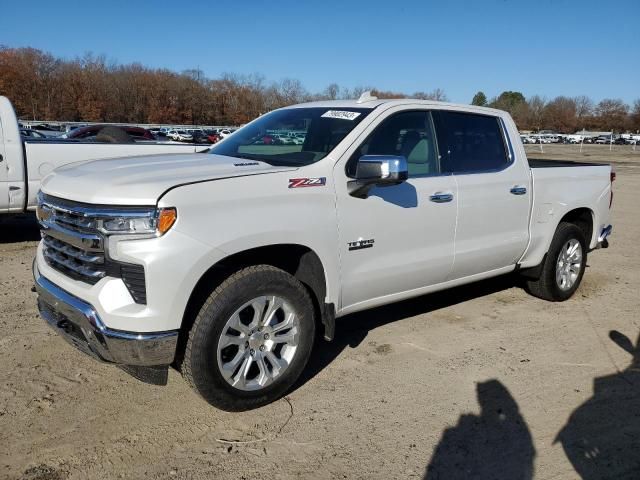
[
  {"x": 563, "y": 267},
  {"x": 251, "y": 339}
]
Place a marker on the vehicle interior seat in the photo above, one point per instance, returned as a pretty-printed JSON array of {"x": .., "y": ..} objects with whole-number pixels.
[{"x": 417, "y": 151}]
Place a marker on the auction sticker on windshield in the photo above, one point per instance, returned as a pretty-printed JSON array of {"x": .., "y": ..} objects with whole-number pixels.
[{"x": 342, "y": 114}]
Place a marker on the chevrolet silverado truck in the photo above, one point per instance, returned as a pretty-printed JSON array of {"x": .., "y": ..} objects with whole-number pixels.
[
  {"x": 226, "y": 265},
  {"x": 24, "y": 162}
]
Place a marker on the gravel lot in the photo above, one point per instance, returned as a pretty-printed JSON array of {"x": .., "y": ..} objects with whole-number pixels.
[{"x": 482, "y": 377}]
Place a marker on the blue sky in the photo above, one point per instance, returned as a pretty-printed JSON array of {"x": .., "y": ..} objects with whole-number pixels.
[{"x": 546, "y": 47}]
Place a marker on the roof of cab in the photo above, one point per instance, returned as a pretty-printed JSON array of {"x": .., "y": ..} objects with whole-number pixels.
[{"x": 391, "y": 102}]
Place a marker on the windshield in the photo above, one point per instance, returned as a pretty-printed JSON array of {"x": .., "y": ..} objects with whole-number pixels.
[{"x": 292, "y": 137}]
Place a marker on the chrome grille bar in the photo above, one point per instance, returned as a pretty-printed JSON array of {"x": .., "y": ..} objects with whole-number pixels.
[
  {"x": 57, "y": 258},
  {"x": 85, "y": 241},
  {"x": 70, "y": 251}
]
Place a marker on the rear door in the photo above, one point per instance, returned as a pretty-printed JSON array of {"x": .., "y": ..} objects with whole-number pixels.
[
  {"x": 4, "y": 174},
  {"x": 494, "y": 193}
]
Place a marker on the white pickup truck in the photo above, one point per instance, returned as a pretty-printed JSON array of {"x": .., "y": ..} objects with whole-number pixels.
[
  {"x": 225, "y": 265},
  {"x": 23, "y": 163}
]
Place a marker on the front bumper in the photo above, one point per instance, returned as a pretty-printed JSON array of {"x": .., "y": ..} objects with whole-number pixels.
[{"x": 79, "y": 324}]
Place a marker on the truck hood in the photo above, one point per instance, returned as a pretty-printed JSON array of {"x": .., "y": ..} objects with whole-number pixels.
[{"x": 143, "y": 180}]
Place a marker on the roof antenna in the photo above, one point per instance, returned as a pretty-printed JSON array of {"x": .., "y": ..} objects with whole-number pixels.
[{"x": 366, "y": 97}]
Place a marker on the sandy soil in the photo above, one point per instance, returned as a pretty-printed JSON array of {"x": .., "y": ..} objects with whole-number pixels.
[{"x": 482, "y": 378}]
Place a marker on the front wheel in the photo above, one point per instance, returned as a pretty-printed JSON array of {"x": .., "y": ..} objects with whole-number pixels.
[
  {"x": 251, "y": 339},
  {"x": 563, "y": 267}
]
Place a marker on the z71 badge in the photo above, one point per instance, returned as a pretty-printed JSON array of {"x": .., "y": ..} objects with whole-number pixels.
[{"x": 307, "y": 182}]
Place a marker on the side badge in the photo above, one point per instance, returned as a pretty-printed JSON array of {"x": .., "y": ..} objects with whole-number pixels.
[
  {"x": 307, "y": 182},
  {"x": 360, "y": 244}
]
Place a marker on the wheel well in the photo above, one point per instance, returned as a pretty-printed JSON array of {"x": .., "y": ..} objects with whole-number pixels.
[
  {"x": 580, "y": 217},
  {"x": 583, "y": 219},
  {"x": 297, "y": 260}
]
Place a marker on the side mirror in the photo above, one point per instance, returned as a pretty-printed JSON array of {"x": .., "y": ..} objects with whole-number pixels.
[{"x": 377, "y": 170}]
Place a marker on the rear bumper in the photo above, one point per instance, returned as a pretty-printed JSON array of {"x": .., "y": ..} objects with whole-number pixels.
[{"x": 80, "y": 325}]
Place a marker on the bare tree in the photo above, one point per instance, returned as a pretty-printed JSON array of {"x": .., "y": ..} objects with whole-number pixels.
[
  {"x": 612, "y": 114},
  {"x": 332, "y": 92}
]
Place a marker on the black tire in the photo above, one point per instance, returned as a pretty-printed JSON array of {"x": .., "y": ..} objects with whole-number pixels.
[
  {"x": 113, "y": 135},
  {"x": 546, "y": 287},
  {"x": 200, "y": 365}
]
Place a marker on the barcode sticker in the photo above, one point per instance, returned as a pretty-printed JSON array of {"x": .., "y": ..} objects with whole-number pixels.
[{"x": 342, "y": 114}]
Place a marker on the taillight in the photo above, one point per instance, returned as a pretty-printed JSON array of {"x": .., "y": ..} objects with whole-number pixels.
[{"x": 613, "y": 179}]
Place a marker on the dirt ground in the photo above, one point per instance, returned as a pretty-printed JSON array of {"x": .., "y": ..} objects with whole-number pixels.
[{"x": 482, "y": 378}]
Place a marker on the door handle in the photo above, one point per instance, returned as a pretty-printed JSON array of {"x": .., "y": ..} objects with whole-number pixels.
[
  {"x": 518, "y": 190},
  {"x": 440, "y": 197},
  {"x": 1, "y": 158}
]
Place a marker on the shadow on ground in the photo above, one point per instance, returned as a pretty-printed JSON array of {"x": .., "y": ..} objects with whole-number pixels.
[
  {"x": 495, "y": 445},
  {"x": 602, "y": 436},
  {"x": 19, "y": 228},
  {"x": 352, "y": 329}
]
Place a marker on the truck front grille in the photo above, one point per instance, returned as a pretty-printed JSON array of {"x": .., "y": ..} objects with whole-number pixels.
[
  {"x": 73, "y": 245},
  {"x": 73, "y": 261}
]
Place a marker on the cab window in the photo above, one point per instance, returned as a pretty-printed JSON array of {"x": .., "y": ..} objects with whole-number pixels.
[
  {"x": 408, "y": 134},
  {"x": 469, "y": 143}
]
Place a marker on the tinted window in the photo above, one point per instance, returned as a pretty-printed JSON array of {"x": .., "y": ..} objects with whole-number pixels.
[
  {"x": 469, "y": 142},
  {"x": 408, "y": 134}
]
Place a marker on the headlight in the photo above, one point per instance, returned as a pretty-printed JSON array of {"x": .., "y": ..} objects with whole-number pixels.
[
  {"x": 153, "y": 222},
  {"x": 129, "y": 225}
]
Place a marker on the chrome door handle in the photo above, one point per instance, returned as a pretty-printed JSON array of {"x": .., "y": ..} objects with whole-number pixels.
[
  {"x": 440, "y": 197},
  {"x": 518, "y": 190}
]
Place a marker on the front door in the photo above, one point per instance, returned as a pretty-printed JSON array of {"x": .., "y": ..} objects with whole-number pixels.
[{"x": 400, "y": 238}]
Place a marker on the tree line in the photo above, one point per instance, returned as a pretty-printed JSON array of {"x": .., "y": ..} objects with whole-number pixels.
[
  {"x": 565, "y": 114},
  {"x": 89, "y": 88}
]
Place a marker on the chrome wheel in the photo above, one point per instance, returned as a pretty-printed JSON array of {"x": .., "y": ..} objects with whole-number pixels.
[
  {"x": 569, "y": 264},
  {"x": 258, "y": 343}
]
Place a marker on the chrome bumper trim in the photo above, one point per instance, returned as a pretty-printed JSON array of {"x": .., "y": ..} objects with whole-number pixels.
[{"x": 79, "y": 324}]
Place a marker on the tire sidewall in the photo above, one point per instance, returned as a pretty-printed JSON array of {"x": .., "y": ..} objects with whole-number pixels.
[
  {"x": 566, "y": 233},
  {"x": 207, "y": 376}
]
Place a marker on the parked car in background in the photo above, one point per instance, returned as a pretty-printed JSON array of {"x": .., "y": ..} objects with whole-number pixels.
[
  {"x": 25, "y": 160},
  {"x": 91, "y": 132},
  {"x": 183, "y": 136},
  {"x": 199, "y": 136},
  {"x": 33, "y": 134},
  {"x": 603, "y": 140},
  {"x": 213, "y": 136}
]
